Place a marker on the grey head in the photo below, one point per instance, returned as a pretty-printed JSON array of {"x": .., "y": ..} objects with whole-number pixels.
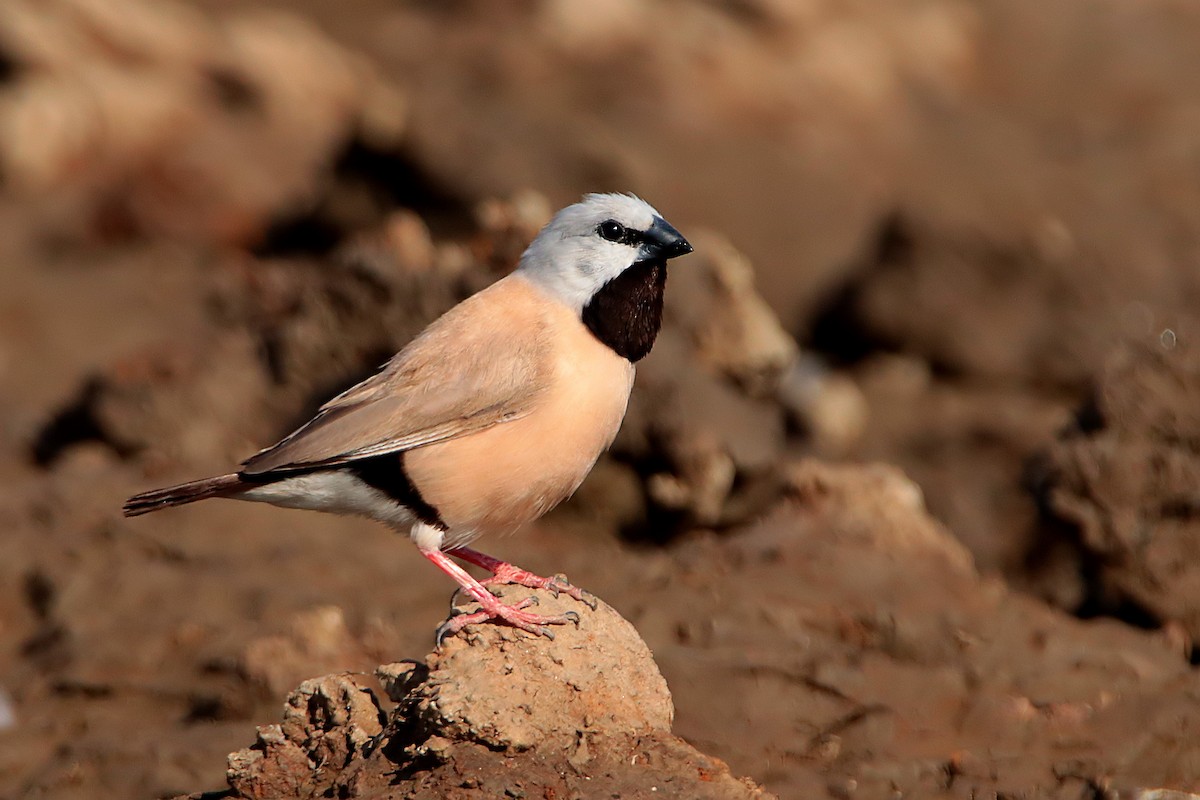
[{"x": 605, "y": 258}]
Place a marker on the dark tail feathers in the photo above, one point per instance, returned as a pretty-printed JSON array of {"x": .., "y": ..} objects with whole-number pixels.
[{"x": 220, "y": 486}]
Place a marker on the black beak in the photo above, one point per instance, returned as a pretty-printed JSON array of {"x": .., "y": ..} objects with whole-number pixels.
[{"x": 663, "y": 242}]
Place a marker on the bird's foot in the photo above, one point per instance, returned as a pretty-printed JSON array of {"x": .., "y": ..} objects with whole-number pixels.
[
  {"x": 506, "y": 573},
  {"x": 515, "y": 615},
  {"x": 491, "y": 607},
  {"x": 555, "y": 584}
]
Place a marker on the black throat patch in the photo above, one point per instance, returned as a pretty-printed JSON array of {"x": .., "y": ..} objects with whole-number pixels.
[{"x": 627, "y": 311}]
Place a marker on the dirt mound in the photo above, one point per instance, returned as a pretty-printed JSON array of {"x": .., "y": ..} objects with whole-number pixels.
[
  {"x": 495, "y": 713},
  {"x": 868, "y": 635},
  {"x": 856, "y": 622},
  {"x": 1119, "y": 487}
]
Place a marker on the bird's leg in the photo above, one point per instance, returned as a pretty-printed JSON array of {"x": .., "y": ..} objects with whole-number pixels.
[
  {"x": 504, "y": 572},
  {"x": 492, "y": 607}
]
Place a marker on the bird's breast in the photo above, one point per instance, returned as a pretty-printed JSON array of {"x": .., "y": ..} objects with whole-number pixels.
[{"x": 505, "y": 476}]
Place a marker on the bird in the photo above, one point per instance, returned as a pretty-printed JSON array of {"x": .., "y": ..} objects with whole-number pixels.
[{"x": 491, "y": 416}]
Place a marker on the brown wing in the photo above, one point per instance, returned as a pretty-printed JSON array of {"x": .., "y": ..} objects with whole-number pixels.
[{"x": 481, "y": 364}]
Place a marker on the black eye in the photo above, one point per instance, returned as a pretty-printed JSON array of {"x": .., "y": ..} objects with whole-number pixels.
[{"x": 611, "y": 230}]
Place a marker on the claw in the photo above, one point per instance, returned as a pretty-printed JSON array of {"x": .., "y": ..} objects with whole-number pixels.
[
  {"x": 439, "y": 635},
  {"x": 544, "y": 631},
  {"x": 572, "y": 616},
  {"x": 560, "y": 583}
]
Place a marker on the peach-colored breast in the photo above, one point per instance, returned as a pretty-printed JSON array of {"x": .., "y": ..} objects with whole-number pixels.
[{"x": 501, "y": 478}]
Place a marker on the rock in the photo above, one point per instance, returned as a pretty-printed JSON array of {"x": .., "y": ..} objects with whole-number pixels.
[
  {"x": 496, "y": 713},
  {"x": 829, "y": 405},
  {"x": 327, "y": 723},
  {"x": 1119, "y": 487},
  {"x": 733, "y": 329},
  {"x": 333, "y": 718},
  {"x": 703, "y": 424},
  {"x": 708, "y": 448},
  {"x": 507, "y": 689},
  {"x": 878, "y": 504}
]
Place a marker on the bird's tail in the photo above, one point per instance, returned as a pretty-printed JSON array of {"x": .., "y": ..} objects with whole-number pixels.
[{"x": 219, "y": 486}]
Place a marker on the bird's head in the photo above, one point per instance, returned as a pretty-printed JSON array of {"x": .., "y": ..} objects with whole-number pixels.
[
  {"x": 605, "y": 258},
  {"x": 590, "y": 243}
]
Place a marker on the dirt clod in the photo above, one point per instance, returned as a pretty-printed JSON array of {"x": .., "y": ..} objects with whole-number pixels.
[
  {"x": 587, "y": 711},
  {"x": 327, "y": 722},
  {"x": 1120, "y": 487},
  {"x": 509, "y": 689}
]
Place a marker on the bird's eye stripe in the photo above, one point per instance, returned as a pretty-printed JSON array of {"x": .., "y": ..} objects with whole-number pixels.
[{"x": 613, "y": 231}]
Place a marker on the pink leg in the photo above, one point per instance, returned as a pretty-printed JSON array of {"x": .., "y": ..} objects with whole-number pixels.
[
  {"x": 504, "y": 572},
  {"x": 492, "y": 608}
]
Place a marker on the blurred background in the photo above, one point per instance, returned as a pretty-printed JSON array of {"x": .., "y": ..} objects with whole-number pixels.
[{"x": 907, "y": 497}]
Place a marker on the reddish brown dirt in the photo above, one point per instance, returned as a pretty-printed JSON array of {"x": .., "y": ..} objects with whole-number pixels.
[
  {"x": 979, "y": 222},
  {"x": 495, "y": 713}
]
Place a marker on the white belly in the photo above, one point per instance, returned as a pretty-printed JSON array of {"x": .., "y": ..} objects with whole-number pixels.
[{"x": 335, "y": 491}]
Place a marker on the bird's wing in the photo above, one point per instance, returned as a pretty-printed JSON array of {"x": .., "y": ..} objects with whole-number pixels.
[{"x": 483, "y": 363}]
